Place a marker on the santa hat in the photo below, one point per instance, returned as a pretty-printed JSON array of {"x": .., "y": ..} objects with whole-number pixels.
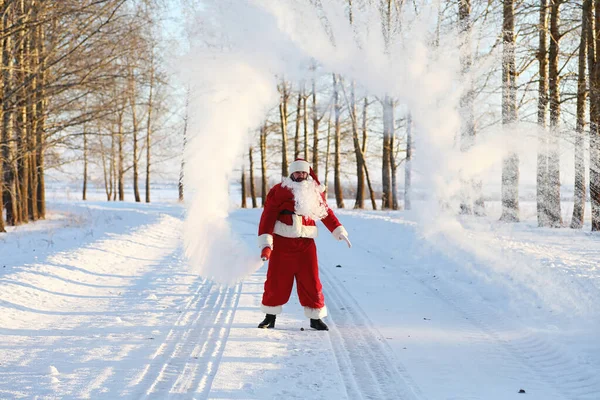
[{"x": 301, "y": 165}]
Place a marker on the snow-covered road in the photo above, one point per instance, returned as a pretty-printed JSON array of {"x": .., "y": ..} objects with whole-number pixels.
[{"x": 97, "y": 303}]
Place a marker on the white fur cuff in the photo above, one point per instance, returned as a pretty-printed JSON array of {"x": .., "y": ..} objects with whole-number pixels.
[
  {"x": 339, "y": 231},
  {"x": 271, "y": 310},
  {"x": 315, "y": 313},
  {"x": 265, "y": 240}
]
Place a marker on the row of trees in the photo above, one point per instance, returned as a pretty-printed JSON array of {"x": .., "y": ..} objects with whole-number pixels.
[
  {"x": 548, "y": 74},
  {"x": 81, "y": 81}
]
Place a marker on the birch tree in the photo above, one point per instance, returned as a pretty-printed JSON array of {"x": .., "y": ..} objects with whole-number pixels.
[{"x": 510, "y": 167}]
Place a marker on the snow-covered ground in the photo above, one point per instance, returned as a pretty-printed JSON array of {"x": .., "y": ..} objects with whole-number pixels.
[{"x": 97, "y": 302}]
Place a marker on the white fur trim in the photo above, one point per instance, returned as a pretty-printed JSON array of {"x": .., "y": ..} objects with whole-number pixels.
[
  {"x": 265, "y": 240},
  {"x": 299, "y": 166},
  {"x": 297, "y": 230},
  {"x": 315, "y": 313},
  {"x": 339, "y": 231},
  {"x": 271, "y": 310}
]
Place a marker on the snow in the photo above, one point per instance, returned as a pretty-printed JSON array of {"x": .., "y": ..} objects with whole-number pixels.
[{"x": 98, "y": 302}]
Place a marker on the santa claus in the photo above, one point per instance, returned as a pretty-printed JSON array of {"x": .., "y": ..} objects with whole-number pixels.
[{"x": 286, "y": 236}]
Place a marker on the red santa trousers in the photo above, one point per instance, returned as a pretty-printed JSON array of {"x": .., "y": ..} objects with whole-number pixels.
[{"x": 294, "y": 258}]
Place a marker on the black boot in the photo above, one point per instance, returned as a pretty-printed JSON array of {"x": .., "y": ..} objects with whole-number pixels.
[
  {"x": 318, "y": 325},
  {"x": 268, "y": 322}
]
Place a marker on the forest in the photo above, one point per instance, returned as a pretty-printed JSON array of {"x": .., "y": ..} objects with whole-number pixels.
[{"x": 90, "y": 84}]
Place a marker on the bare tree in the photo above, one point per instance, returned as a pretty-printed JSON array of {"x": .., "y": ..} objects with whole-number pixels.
[
  {"x": 510, "y": 168},
  {"x": 263, "y": 163},
  {"x": 386, "y": 161},
  {"x": 593, "y": 28},
  {"x": 542, "y": 157},
  {"x": 243, "y": 185},
  {"x": 149, "y": 124},
  {"x": 553, "y": 188},
  {"x": 315, "y": 120},
  {"x": 339, "y": 195},
  {"x": 185, "y": 128},
  {"x": 283, "y": 118},
  {"x": 467, "y": 137},
  {"x": 135, "y": 131},
  {"x": 252, "y": 185},
  {"x": 297, "y": 135},
  {"x": 85, "y": 164},
  {"x": 579, "y": 190},
  {"x": 10, "y": 197},
  {"x": 408, "y": 164},
  {"x": 358, "y": 151}
]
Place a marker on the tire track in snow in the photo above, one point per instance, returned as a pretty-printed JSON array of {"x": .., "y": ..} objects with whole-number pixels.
[
  {"x": 188, "y": 358},
  {"x": 363, "y": 356},
  {"x": 208, "y": 350},
  {"x": 549, "y": 365}
]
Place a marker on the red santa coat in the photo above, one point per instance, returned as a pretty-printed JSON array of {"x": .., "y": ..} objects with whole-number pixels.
[{"x": 291, "y": 237}]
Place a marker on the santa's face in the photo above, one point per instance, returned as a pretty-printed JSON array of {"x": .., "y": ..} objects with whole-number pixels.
[{"x": 299, "y": 176}]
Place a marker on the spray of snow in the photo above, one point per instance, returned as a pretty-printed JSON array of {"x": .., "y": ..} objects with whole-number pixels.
[{"x": 255, "y": 42}]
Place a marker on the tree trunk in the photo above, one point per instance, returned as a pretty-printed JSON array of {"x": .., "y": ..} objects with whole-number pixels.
[
  {"x": 149, "y": 129},
  {"x": 297, "y": 135},
  {"x": 32, "y": 121},
  {"x": 327, "y": 150},
  {"x": 85, "y": 164},
  {"x": 360, "y": 161},
  {"x": 579, "y": 191},
  {"x": 263, "y": 163},
  {"x": 7, "y": 137},
  {"x": 339, "y": 194},
  {"x": 283, "y": 118},
  {"x": 542, "y": 158},
  {"x": 40, "y": 118},
  {"x": 252, "y": 186},
  {"x": 386, "y": 162},
  {"x": 594, "y": 61},
  {"x": 185, "y": 128},
  {"x": 121, "y": 166},
  {"x": 114, "y": 161},
  {"x": 2, "y": 228},
  {"x": 315, "y": 116},
  {"x": 365, "y": 133},
  {"x": 243, "y": 184},
  {"x": 22, "y": 120},
  {"x": 553, "y": 193},
  {"x": 2, "y": 42},
  {"x": 510, "y": 167},
  {"x": 112, "y": 184},
  {"x": 467, "y": 134},
  {"x": 135, "y": 130},
  {"x": 408, "y": 164},
  {"x": 305, "y": 124},
  {"x": 105, "y": 171},
  {"x": 393, "y": 166}
]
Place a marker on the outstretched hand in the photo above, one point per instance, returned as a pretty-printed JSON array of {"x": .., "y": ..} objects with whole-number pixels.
[{"x": 345, "y": 238}]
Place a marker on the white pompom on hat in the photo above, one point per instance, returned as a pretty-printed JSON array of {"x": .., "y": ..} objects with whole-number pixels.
[{"x": 299, "y": 165}]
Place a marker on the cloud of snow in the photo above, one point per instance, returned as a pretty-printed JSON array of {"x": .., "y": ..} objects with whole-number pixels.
[
  {"x": 234, "y": 75},
  {"x": 246, "y": 46}
]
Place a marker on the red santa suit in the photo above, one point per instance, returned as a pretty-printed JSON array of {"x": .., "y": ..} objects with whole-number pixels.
[{"x": 288, "y": 227}]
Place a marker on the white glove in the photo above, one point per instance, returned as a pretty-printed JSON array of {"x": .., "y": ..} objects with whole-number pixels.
[{"x": 340, "y": 233}]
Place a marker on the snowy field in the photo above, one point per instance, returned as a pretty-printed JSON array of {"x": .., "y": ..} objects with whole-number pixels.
[{"x": 97, "y": 302}]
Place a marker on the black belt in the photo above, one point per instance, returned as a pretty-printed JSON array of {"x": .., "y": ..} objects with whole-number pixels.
[{"x": 287, "y": 212}]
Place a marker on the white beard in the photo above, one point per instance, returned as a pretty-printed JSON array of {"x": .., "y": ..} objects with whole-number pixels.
[{"x": 308, "y": 200}]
